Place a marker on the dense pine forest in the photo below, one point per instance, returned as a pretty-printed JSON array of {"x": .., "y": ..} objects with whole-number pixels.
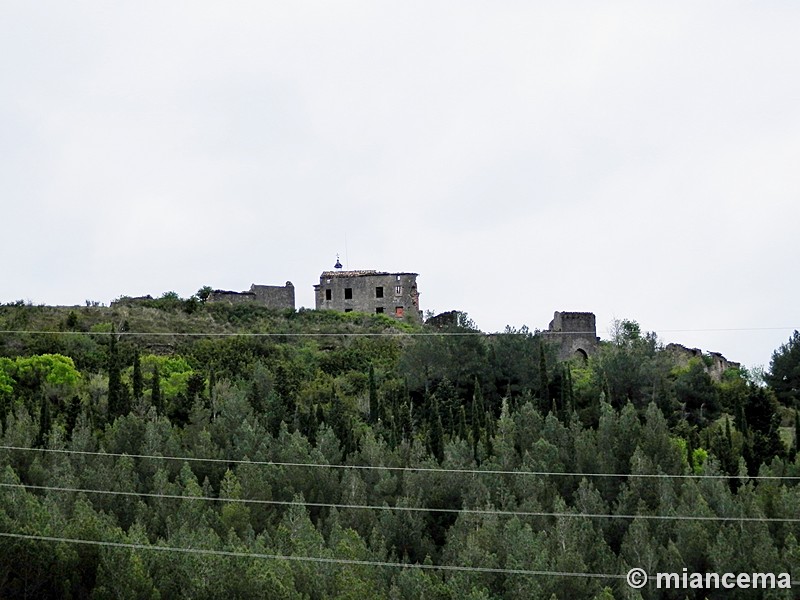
[{"x": 199, "y": 450}]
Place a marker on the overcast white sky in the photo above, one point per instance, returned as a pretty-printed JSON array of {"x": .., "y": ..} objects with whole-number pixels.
[{"x": 635, "y": 159}]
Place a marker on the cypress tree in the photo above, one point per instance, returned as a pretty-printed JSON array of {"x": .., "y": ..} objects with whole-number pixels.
[
  {"x": 312, "y": 426},
  {"x": 478, "y": 409},
  {"x": 286, "y": 388},
  {"x": 436, "y": 433},
  {"x": 155, "y": 387},
  {"x": 73, "y": 410},
  {"x": 796, "y": 448},
  {"x": 212, "y": 393},
  {"x": 463, "y": 431},
  {"x": 407, "y": 420},
  {"x": 477, "y": 416},
  {"x": 490, "y": 431},
  {"x": 320, "y": 415},
  {"x": 115, "y": 400},
  {"x": 728, "y": 461},
  {"x": 394, "y": 434},
  {"x": 728, "y": 436},
  {"x": 543, "y": 378},
  {"x": 741, "y": 420},
  {"x": 5, "y": 406},
  {"x": 212, "y": 381},
  {"x": 381, "y": 409},
  {"x": 348, "y": 438},
  {"x": 570, "y": 391},
  {"x": 476, "y": 435},
  {"x": 373, "y": 397},
  {"x": 512, "y": 402},
  {"x": 138, "y": 383},
  {"x": 44, "y": 421},
  {"x": 395, "y": 405},
  {"x": 296, "y": 419},
  {"x": 430, "y": 407},
  {"x": 195, "y": 386},
  {"x": 448, "y": 404}
]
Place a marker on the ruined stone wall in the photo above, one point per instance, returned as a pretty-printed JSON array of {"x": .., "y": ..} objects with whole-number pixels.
[
  {"x": 682, "y": 355},
  {"x": 720, "y": 364},
  {"x": 392, "y": 294},
  {"x": 130, "y": 301},
  {"x": 714, "y": 363},
  {"x": 574, "y": 333},
  {"x": 445, "y": 320},
  {"x": 573, "y": 322},
  {"x": 274, "y": 296},
  {"x": 231, "y": 297},
  {"x": 271, "y": 296}
]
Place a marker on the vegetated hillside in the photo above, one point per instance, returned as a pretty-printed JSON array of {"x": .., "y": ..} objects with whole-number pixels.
[{"x": 457, "y": 441}]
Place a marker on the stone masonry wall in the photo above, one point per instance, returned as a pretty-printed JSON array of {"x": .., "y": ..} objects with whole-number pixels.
[
  {"x": 274, "y": 296},
  {"x": 271, "y": 296},
  {"x": 230, "y": 297}
]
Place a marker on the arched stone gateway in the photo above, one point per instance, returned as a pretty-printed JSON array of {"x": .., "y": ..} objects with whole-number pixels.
[{"x": 581, "y": 354}]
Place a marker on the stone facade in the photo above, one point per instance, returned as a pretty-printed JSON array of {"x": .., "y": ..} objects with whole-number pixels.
[
  {"x": 271, "y": 296},
  {"x": 575, "y": 333},
  {"x": 392, "y": 294}
]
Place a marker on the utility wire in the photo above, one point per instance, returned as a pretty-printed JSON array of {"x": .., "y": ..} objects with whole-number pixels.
[
  {"x": 316, "y": 559},
  {"x": 402, "y": 469},
  {"x": 367, "y": 334},
  {"x": 319, "y": 559},
  {"x": 251, "y": 333},
  {"x": 725, "y": 329},
  {"x": 475, "y": 511}
]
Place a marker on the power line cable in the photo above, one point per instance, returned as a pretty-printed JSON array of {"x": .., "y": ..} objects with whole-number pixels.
[
  {"x": 402, "y": 469},
  {"x": 319, "y": 559},
  {"x": 250, "y": 333},
  {"x": 316, "y": 559},
  {"x": 476, "y": 511},
  {"x": 398, "y": 334}
]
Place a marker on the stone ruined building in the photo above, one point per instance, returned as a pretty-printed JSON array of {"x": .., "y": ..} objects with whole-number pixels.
[
  {"x": 715, "y": 364},
  {"x": 271, "y": 296},
  {"x": 376, "y": 292},
  {"x": 575, "y": 333}
]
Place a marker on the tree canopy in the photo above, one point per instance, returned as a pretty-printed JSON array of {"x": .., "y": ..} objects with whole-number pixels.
[{"x": 343, "y": 449}]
